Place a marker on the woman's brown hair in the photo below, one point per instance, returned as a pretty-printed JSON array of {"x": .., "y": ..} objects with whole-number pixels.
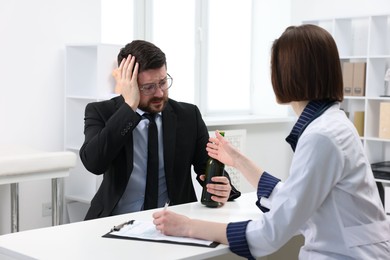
[{"x": 305, "y": 65}]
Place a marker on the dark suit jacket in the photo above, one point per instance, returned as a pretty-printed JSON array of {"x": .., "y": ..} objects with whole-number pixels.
[{"x": 108, "y": 150}]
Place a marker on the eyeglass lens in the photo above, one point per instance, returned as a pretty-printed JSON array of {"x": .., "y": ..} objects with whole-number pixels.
[{"x": 150, "y": 89}]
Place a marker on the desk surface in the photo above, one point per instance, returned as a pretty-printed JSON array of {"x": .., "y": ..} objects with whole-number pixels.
[{"x": 83, "y": 240}]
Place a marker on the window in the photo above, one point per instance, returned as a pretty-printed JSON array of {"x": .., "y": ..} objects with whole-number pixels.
[
  {"x": 117, "y": 20},
  {"x": 217, "y": 51},
  {"x": 172, "y": 29},
  {"x": 228, "y": 58},
  {"x": 207, "y": 44}
]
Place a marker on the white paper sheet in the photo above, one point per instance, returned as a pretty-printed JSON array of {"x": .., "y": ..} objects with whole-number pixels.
[{"x": 147, "y": 230}]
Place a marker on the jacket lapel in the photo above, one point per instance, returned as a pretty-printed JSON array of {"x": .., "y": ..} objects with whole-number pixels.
[{"x": 169, "y": 123}]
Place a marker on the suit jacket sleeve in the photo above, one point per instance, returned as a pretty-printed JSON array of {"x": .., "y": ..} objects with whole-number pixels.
[
  {"x": 203, "y": 156},
  {"x": 108, "y": 127}
]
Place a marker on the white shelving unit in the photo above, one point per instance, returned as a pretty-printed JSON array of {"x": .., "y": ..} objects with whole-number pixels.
[
  {"x": 87, "y": 79},
  {"x": 365, "y": 39}
]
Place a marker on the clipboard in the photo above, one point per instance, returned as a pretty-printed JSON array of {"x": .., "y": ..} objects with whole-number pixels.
[{"x": 146, "y": 231}]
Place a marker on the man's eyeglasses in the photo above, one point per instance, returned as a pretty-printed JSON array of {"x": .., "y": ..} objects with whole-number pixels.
[{"x": 150, "y": 89}]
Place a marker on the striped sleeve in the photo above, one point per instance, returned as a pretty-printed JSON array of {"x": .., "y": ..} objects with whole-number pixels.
[
  {"x": 266, "y": 185},
  {"x": 237, "y": 239}
]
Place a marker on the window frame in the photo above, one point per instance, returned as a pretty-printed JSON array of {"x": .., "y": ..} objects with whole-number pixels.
[
  {"x": 143, "y": 29},
  {"x": 262, "y": 100}
]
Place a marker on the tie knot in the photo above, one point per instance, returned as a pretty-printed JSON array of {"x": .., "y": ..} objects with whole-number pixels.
[{"x": 149, "y": 116}]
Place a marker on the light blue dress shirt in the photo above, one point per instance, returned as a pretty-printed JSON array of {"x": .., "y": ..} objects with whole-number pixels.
[{"x": 134, "y": 195}]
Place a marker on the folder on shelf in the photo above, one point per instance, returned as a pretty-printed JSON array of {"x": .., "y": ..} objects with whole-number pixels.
[
  {"x": 354, "y": 78},
  {"x": 384, "y": 120},
  {"x": 358, "y": 121},
  {"x": 359, "y": 78},
  {"x": 347, "y": 78},
  {"x": 146, "y": 231}
]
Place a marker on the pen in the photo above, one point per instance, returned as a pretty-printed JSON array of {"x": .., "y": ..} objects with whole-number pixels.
[
  {"x": 166, "y": 205},
  {"x": 120, "y": 226}
]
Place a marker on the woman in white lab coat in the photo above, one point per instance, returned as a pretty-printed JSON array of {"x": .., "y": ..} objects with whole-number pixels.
[{"x": 330, "y": 195}]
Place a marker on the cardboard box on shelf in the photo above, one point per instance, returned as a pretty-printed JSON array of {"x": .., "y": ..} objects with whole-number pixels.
[
  {"x": 347, "y": 77},
  {"x": 384, "y": 120},
  {"x": 354, "y": 78},
  {"x": 359, "y": 78},
  {"x": 358, "y": 121}
]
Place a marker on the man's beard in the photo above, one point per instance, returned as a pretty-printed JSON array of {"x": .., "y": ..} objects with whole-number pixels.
[{"x": 150, "y": 108}]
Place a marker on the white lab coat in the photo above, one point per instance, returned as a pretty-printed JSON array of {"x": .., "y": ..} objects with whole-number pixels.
[{"x": 330, "y": 197}]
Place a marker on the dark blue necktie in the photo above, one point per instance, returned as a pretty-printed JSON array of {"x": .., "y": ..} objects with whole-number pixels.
[{"x": 151, "y": 190}]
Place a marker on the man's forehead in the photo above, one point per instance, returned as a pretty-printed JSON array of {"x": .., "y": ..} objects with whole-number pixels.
[{"x": 152, "y": 75}]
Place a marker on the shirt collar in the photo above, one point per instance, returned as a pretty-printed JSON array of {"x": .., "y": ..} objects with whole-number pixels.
[
  {"x": 141, "y": 112},
  {"x": 312, "y": 110}
]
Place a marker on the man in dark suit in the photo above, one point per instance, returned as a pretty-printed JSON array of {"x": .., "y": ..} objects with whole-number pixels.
[{"x": 116, "y": 139}]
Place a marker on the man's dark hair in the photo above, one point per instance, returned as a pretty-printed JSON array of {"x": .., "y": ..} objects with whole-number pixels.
[{"x": 148, "y": 55}]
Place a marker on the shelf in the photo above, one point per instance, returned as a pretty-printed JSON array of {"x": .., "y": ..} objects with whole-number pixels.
[
  {"x": 88, "y": 69},
  {"x": 74, "y": 148},
  {"x": 382, "y": 180},
  {"x": 93, "y": 98},
  {"x": 365, "y": 39},
  {"x": 376, "y": 139},
  {"x": 351, "y": 36},
  {"x": 353, "y": 57},
  {"x": 378, "y": 98},
  {"x": 88, "y": 78},
  {"x": 84, "y": 198},
  {"x": 355, "y": 97},
  {"x": 246, "y": 120},
  {"x": 74, "y": 122},
  {"x": 380, "y": 35},
  {"x": 383, "y": 56}
]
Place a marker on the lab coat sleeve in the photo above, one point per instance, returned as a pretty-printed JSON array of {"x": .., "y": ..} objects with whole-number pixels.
[
  {"x": 267, "y": 202},
  {"x": 236, "y": 231},
  {"x": 237, "y": 241},
  {"x": 313, "y": 174},
  {"x": 265, "y": 187}
]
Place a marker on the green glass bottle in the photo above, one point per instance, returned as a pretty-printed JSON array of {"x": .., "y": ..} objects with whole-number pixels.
[{"x": 213, "y": 168}]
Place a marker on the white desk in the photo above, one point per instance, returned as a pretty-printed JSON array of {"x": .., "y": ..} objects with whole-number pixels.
[
  {"x": 83, "y": 240},
  {"x": 19, "y": 164}
]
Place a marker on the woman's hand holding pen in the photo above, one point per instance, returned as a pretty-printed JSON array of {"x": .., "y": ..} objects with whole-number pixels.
[
  {"x": 172, "y": 224},
  {"x": 126, "y": 81}
]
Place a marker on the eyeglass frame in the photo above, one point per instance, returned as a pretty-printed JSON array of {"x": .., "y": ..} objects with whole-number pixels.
[{"x": 154, "y": 88}]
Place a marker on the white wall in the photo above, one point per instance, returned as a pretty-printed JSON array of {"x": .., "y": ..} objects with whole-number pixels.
[
  {"x": 33, "y": 36},
  {"x": 271, "y": 18}
]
